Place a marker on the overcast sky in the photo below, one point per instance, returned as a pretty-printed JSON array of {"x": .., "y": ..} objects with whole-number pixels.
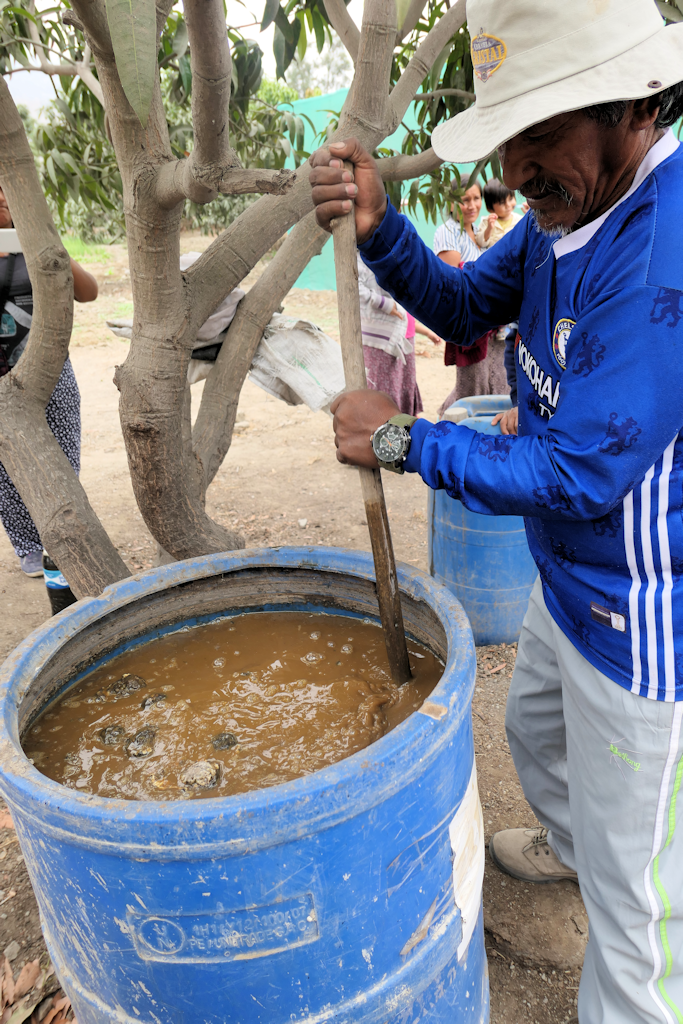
[
  {"x": 34, "y": 90},
  {"x": 30, "y": 88}
]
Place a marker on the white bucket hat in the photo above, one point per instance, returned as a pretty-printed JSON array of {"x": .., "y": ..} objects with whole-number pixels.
[{"x": 534, "y": 59}]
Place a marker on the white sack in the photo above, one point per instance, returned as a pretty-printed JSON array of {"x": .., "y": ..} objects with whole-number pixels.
[
  {"x": 298, "y": 363},
  {"x": 295, "y": 362},
  {"x": 221, "y": 317},
  {"x": 121, "y": 328},
  {"x": 198, "y": 369}
]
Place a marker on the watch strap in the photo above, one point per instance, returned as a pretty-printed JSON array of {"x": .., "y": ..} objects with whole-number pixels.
[{"x": 402, "y": 419}]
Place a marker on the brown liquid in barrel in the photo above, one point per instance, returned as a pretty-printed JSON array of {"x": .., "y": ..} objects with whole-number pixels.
[{"x": 296, "y": 691}]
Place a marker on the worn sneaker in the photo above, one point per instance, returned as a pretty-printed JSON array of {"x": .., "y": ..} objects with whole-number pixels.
[
  {"x": 524, "y": 853},
  {"x": 32, "y": 564}
]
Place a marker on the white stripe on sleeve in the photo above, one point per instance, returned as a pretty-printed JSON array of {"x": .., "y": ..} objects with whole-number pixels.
[
  {"x": 667, "y": 576},
  {"x": 648, "y": 563},
  {"x": 634, "y": 592}
]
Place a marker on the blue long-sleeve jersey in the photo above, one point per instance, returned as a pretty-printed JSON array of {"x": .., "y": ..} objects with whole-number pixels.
[{"x": 597, "y": 470}]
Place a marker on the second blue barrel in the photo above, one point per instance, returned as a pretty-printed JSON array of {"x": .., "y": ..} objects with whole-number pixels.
[{"x": 484, "y": 560}]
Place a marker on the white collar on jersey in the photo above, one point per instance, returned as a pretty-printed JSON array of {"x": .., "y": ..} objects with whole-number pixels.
[{"x": 667, "y": 145}]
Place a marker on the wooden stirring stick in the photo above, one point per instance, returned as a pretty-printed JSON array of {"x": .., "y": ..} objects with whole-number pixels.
[{"x": 348, "y": 304}]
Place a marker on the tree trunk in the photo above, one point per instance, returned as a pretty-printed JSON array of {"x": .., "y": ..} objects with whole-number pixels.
[{"x": 170, "y": 475}]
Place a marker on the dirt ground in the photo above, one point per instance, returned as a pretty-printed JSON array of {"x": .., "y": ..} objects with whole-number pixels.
[{"x": 280, "y": 472}]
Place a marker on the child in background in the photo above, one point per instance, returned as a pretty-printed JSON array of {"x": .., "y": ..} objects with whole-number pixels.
[{"x": 500, "y": 202}]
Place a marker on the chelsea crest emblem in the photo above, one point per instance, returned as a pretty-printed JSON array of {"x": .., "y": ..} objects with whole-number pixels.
[
  {"x": 488, "y": 53},
  {"x": 563, "y": 328}
]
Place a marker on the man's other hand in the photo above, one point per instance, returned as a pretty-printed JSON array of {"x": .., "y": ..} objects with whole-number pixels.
[
  {"x": 334, "y": 188},
  {"x": 357, "y": 415},
  {"x": 508, "y": 420}
]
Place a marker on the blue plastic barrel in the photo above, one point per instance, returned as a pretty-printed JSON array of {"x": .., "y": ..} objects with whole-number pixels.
[
  {"x": 350, "y": 895},
  {"x": 484, "y": 560}
]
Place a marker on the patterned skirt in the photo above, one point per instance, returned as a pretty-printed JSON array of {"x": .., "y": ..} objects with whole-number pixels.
[
  {"x": 63, "y": 415},
  {"x": 398, "y": 380},
  {"x": 485, "y": 378}
]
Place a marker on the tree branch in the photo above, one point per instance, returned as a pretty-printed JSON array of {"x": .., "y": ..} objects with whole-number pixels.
[
  {"x": 438, "y": 93},
  {"x": 368, "y": 97},
  {"x": 211, "y": 168},
  {"x": 34, "y": 460},
  {"x": 228, "y": 259},
  {"x": 421, "y": 62},
  {"x": 216, "y": 418},
  {"x": 70, "y": 18},
  {"x": 401, "y": 168},
  {"x": 165, "y": 476},
  {"x": 211, "y": 77},
  {"x": 344, "y": 25},
  {"x": 86, "y": 76},
  {"x": 92, "y": 20},
  {"x": 411, "y": 19},
  {"x": 73, "y": 69},
  {"x": 164, "y": 8},
  {"x": 175, "y": 182}
]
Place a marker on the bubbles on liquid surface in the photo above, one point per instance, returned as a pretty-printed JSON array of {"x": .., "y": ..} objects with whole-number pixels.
[{"x": 261, "y": 724}]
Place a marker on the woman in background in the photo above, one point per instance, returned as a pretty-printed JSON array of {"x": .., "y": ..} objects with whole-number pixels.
[
  {"x": 388, "y": 349},
  {"x": 480, "y": 367},
  {"x": 63, "y": 411}
]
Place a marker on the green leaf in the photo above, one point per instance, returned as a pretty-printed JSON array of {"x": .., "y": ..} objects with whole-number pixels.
[
  {"x": 49, "y": 163},
  {"x": 133, "y": 29},
  {"x": 319, "y": 29},
  {"x": 269, "y": 13},
  {"x": 185, "y": 70},
  {"x": 279, "y": 47},
  {"x": 180, "y": 39},
  {"x": 301, "y": 45}
]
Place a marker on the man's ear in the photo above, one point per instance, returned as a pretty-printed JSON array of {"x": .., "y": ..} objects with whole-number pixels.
[{"x": 644, "y": 113}]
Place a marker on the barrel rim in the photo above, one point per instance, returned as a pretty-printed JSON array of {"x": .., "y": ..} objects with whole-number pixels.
[{"x": 257, "y": 819}]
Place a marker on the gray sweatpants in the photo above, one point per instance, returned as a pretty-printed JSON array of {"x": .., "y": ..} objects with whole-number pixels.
[{"x": 602, "y": 768}]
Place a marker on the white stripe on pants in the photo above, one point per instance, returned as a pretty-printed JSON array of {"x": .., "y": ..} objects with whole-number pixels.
[{"x": 601, "y": 768}]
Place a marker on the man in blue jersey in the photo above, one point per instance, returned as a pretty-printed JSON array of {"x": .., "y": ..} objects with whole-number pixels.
[{"x": 579, "y": 100}]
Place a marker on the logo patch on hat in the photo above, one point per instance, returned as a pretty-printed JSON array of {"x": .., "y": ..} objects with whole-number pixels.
[
  {"x": 488, "y": 53},
  {"x": 563, "y": 328}
]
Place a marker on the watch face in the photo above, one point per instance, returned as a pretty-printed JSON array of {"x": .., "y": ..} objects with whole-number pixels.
[{"x": 390, "y": 442}]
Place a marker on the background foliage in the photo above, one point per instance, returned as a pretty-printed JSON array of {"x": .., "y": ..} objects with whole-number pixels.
[{"x": 79, "y": 169}]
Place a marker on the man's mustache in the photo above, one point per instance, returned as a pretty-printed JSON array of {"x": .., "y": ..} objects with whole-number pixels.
[{"x": 541, "y": 187}]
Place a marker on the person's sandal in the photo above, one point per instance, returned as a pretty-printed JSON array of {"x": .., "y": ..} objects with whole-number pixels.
[{"x": 524, "y": 853}]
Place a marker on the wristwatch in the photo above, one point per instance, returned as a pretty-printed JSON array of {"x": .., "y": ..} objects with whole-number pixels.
[{"x": 391, "y": 442}]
